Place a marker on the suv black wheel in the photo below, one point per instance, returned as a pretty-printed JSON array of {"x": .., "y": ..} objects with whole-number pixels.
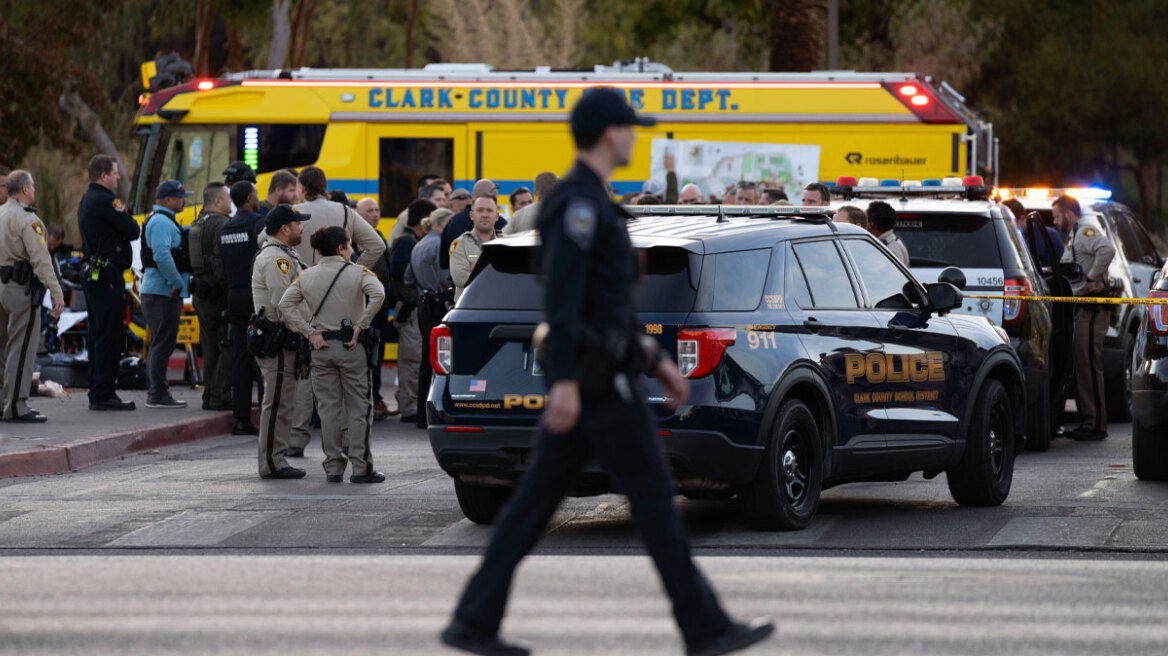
[
  {"x": 785, "y": 492},
  {"x": 480, "y": 503},
  {"x": 1149, "y": 453},
  {"x": 985, "y": 472},
  {"x": 1118, "y": 390}
]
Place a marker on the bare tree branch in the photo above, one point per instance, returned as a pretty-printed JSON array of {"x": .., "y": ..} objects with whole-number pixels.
[
  {"x": 281, "y": 34},
  {"x": 74, "y": 106}
]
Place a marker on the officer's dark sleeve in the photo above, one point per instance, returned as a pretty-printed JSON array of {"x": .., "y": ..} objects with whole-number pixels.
[
  {"x": 567, "y": 233},
  {"x": 670, "y": 188},
  {"x": 448, "y": 236},
  {"x": 123, "y": 223},
  {"x": 400, "y": 258}
]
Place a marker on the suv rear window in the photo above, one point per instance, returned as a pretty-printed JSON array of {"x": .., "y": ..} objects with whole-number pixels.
[
  {"x": 941, "y": 240},
  {"x": 510, "y": 280}
]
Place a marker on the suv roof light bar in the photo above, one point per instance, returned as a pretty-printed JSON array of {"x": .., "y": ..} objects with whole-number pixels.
[
  {"x": 1046, "y": 193},
  {"x": 913, "y": 188},
  {"x": 815, "y": 214}
]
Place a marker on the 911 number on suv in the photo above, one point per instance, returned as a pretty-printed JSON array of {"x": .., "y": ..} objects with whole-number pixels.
[{"x": 814, "y": 358}]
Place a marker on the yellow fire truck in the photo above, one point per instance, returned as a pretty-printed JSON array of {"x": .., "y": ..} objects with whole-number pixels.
[{"x": 375, "y": 132}]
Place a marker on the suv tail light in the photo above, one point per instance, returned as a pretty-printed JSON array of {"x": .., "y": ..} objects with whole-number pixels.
[
  {"x": 1158, "y": 315},
  {"x": 441, "y": 350},
  {"x": 700, "y": 350},
  {"x": 1012, "y": 310}
]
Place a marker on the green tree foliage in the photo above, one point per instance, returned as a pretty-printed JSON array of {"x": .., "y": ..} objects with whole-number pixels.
[
  {"x": 47, "y": 48},
  {"x": 1077, "y": 92}
]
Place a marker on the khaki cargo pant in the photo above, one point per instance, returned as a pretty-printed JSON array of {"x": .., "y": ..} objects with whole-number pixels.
[
  {"x": 276, "y": 410},
  {"x": 341, "y": 381},
  {"x": 21, "y": 333},
  {"x": 1090, "y": 329}
]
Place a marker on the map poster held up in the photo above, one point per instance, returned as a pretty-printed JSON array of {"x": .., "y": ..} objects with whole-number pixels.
[{"x": 715, "y": 165}]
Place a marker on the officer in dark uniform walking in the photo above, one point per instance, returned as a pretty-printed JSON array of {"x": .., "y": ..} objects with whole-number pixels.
[
  {"x": 595, "y": 406},
  {"x": 107, "y": 230},
  {"x": 237, "y": 246}
]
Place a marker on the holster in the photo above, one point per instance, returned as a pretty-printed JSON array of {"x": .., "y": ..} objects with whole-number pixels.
[
  {"x": 265, "y": 338},
  {"x": 370, "y": 338}
]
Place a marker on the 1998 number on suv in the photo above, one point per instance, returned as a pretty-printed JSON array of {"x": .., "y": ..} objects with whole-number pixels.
[{"x": 814, "y": 358}]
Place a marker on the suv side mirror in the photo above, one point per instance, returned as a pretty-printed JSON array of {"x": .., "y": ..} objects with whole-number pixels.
[
  {"x": 953, "y": 276},
  {"x": 944, "y": 296}
]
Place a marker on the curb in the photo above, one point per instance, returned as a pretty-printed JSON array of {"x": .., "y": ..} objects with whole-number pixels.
[{"x": 79, "y": 454}]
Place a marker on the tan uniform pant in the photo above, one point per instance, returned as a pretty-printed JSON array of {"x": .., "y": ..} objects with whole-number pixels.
[
  {"x": 340, "y": 380},
  {"x": 1090, "y": 329},
  {"x": 409, "y": 360},
  {"x": 21, "y": 330},
  {"x": 277, "y": 409},
  {"x": 302, "y": 414}
]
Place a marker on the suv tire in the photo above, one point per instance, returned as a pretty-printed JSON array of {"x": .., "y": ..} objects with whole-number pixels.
[
  {"x": 985, "y": 472},
  {"x": 1149, "y": 453},
  {"x": 784, "y": 494},
  {"x": 481, "y": 503}
]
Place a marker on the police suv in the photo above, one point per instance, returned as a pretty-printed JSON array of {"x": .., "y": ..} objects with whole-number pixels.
[
  {"x": 814, "y": 359},
  {"x": 953, "y": 223}
]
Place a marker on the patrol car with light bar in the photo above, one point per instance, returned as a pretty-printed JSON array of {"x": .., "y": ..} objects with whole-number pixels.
[
  {"x": 953, "y": 223},
  {"x": 814, "y": 359}
]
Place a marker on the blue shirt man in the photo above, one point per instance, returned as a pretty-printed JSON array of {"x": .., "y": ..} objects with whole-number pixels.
[{"x": 164, "y": 285}]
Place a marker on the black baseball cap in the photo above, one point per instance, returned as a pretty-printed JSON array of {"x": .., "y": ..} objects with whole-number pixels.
[
  {"x": 171, "y": 189},
  {"x": 239, "y": 170},
  {"x": 281, "y": 215},
  {"x": 602, "y": 107}
]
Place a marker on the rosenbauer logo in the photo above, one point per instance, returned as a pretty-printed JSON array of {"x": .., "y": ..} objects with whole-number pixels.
[{"x": 856, "y": 159}]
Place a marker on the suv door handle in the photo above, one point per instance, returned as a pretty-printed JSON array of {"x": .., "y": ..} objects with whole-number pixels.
[{"x": 813, "y": 324}]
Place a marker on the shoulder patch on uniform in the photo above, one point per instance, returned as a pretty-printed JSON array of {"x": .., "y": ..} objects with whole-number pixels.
[
  {"x": 283, "y": 264},
  {"x": 119, "y": 205},
  {"x": 453, "y": 245},
  {"x": 1089, "y": 232},
  {"x": 367, "y": 272},
  {"x": 580, "y": 222},
  {"x": 37, "y": 228}
]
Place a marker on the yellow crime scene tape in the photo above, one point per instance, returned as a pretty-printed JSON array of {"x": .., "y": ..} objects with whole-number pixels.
[{"x": 1076, "y": 299}]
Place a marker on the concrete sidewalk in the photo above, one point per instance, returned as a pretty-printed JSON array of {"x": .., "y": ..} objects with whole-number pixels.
[{"x": 75, "y": 437}]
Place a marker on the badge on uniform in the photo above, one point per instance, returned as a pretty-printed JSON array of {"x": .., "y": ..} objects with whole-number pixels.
[
  {"x": 119, "y": 205},
  {"x": 283, "y": 264},
  {"x": 580, "y": 223}
]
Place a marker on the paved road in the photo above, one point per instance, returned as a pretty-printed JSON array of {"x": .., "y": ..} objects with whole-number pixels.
[
  {"x": 206, "y": 496},
  {"x": 395, "y": 604}
]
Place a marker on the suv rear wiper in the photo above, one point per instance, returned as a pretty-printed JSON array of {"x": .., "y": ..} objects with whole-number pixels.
[{"x": 918, "y": 261}]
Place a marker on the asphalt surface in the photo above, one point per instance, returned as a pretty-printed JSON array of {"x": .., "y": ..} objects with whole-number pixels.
[
  {"x": 842, "y": 606},
  {"x": 1079, "y": 496},
  {"x": 184, "y": 550}
]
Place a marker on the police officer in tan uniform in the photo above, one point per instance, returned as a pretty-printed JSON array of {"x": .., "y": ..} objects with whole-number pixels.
[
  {"x": 1092, "y": 251},
  {"x": 26, "y": 271},
  {"x": 325, "y": 212},
  {"x": 276, "y": 267},
  {"x": 465, "y": 251},
  {"x": 332, "y": 305}
]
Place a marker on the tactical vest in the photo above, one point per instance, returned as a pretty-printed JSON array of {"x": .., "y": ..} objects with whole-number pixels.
[
  {"x": 181, "y": 255},
  {"x": 238, "y": 250},
  {"x": 201, "y": 248}
]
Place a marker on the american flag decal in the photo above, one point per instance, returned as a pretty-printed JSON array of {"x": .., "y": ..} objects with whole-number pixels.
[{"x": 479, "y": 386}]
